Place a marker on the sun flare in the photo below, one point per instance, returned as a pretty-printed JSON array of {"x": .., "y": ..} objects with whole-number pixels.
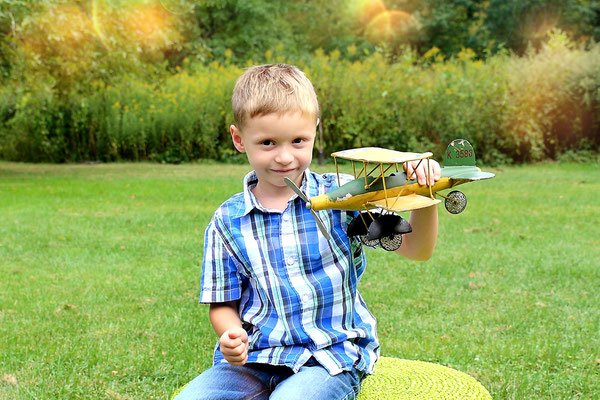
[
  {"x": 143, "y": 24},
  {"x": 379, "y": 24}
]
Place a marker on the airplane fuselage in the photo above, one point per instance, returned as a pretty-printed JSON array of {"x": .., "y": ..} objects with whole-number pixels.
[{"x": 353, "y": 196}]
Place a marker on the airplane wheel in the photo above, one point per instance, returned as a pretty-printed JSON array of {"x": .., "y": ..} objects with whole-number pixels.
[
  {"x": 392, "y": 242},
  {"x": 367, "y": 242},
  {"x": 456, "y": 202}
]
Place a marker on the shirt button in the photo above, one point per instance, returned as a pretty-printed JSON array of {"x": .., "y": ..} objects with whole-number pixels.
[
  {"x": 290, "y": 261},
  {"x": 305, "y": 297},
  {"x": 286, "y": 218}
]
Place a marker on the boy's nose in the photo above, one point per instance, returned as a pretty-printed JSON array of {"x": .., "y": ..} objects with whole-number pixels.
[{"x": 284, "y": 157}]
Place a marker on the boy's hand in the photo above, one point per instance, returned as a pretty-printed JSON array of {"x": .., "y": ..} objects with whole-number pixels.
[
  {"x": 234, "y": 346},
  {"x": 421, "y": 172}
]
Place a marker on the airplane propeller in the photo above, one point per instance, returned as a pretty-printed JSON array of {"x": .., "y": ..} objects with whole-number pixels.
[{"x": 300, "y": 194}]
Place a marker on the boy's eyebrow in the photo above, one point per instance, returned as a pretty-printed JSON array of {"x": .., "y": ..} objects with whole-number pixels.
[
  {"x": 262, "y": 138},
  {"x": 258, "y": 135},
  {"x": 300, "y": 132}
]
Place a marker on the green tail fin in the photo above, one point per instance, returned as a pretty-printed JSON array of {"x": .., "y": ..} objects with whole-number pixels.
[{"x": 459, "y": 154}]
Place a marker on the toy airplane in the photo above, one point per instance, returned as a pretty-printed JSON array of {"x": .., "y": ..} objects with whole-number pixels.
[{"x": 394, "y": 193}]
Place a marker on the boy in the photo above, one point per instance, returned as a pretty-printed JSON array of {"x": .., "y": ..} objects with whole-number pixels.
[{"x": 283, "y": 299}]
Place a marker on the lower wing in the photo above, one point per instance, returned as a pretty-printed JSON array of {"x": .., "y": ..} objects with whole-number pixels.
[{"x": 404, "y": 203}]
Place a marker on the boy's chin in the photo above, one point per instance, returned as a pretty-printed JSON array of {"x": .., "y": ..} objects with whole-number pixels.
[{"x": 297, "y": 179}]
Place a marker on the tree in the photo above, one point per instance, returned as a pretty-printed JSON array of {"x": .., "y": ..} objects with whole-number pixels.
[{"x": 245, "y": 28}]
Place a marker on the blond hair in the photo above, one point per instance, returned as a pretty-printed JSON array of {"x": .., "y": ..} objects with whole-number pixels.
[{"x": 273, "y": 88}]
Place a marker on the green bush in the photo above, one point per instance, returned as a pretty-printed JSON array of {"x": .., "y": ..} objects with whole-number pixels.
[
  {"x": 513, "y": 109},
  {"x": 181, "y": 118},
  {"x": 31, "y": 125},
  {"x": 553, "y": 101}
]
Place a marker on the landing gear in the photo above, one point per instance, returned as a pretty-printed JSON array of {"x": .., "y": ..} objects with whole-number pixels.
[
  {"x": 456, "y": 202},
  {"x": 359, "y": 226},
  {"x": 365, "y": 240},
  {"x": 383, "y": 229},
  {"x": 391, "y": 242}
]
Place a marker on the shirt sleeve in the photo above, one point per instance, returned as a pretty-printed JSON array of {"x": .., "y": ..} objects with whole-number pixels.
[{"x": 220, "y": 278}]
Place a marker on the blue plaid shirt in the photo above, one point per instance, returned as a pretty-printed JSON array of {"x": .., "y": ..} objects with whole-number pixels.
[{"x": 297, "y": 291}]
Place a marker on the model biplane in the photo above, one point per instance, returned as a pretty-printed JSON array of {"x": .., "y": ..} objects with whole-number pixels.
[{"x": 380, "y": 197}]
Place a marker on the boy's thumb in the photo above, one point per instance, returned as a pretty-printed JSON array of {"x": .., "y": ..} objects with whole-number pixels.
[{"x": 238, "y": 333}]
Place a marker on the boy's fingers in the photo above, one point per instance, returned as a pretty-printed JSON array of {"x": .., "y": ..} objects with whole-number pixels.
[
  {"x": 241, "y": 349},
  {"x": 421, "y": 174},
  {"x": 414, "y": 173},
  {"x": 437, "y": 170},
  {"x": 432, "y": 177},
  {"x": 234, "y": 351},
  {"x": 237, "y": 360},
  {"x": 229, "y": 342},
  {"x": 234, "y": 358},
  {"x": 232, "y": 344},
  {"x": 238, "y": 355},
  {"x": 238, "y": 333},
  {"x": 421, "y": 177}
]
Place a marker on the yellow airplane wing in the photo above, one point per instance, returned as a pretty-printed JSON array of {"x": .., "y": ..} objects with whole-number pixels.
[
  {"x": 404, "y": 203},
  {"x": 379, "y": 155}
]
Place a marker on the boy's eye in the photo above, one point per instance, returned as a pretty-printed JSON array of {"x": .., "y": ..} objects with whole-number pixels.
[
  {"x": 298, "y": 140},
  {"x": 266, "y": 142}
]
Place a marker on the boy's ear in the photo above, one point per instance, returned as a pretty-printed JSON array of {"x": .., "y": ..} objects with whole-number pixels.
[{"x": 237, "y": 139}]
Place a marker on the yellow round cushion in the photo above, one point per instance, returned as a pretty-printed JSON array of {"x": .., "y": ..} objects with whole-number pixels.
[{"x": 397, "y": 379}]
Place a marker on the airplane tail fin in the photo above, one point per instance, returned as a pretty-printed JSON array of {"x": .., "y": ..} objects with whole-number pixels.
[{"x": 459, "y": 154}]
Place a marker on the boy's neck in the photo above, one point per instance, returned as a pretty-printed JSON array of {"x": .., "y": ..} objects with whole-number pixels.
[{"x": 272, "y": 197}]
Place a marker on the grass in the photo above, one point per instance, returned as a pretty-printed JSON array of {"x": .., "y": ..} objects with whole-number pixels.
[{"x": 100, "y": 272}]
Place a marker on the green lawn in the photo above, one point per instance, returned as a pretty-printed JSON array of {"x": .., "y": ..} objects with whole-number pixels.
[{"x": 100, "y": 273}]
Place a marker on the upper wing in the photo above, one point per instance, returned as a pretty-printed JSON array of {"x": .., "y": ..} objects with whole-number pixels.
[
  {"x": 379, "y": 155},
  {"x": 404, "y": 203}
]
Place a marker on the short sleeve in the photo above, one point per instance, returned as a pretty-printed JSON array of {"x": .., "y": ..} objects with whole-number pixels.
[{"x": 220, "y": 278}]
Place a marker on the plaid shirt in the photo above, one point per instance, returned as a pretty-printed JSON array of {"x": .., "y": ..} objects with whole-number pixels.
[{"x": 297, "y": 291}]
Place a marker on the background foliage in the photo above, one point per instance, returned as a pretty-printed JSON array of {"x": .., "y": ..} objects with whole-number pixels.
[{"x": 151, "y": 80}]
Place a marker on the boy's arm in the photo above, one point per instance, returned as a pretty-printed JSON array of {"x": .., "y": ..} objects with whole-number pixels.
[
  {"x": 233, "y": 339},
  {"x": 420, "y": 243},
  {"x": 224, "y": 316}
]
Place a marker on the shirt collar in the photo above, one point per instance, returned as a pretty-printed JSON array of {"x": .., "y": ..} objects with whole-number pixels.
[{"x": 251, "y": 202}]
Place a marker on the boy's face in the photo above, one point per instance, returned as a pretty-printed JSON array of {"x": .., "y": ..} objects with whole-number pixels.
[{"x": 277, "y": 146}]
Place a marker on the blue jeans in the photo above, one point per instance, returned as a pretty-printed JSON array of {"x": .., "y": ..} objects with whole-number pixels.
[{"x": 262, "y": 381}]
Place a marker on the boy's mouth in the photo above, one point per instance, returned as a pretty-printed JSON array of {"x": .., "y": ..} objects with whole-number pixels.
[{"x": 283, "y": 171}]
